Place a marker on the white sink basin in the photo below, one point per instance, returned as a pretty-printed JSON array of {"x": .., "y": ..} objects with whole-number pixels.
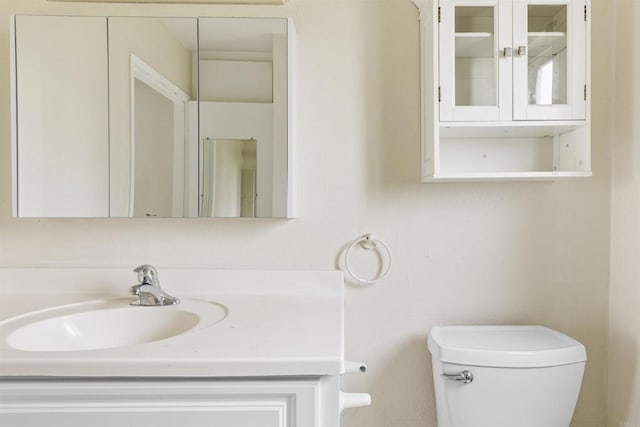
[{"x": 106, "y": 324}]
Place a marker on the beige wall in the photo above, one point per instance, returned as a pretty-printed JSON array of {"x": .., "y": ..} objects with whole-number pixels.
[
  {"x": 463, "y": 253},
  {"x": 624, "y": 330}
]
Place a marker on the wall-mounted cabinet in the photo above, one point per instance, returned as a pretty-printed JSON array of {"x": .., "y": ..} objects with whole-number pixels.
[
  {"x": 505, "y": 87},
  {"x": 153, "y": 117}
]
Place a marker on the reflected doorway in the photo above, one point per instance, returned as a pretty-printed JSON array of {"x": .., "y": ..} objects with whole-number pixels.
[{"x": 158, "y": 141}]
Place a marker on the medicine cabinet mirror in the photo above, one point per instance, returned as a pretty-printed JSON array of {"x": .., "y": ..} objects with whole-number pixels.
[{"x": 152, "y": 117}]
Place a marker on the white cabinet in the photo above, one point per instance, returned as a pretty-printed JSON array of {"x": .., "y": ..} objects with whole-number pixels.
[
  {"x": 97, "y": 99},
  {"x": 505, "y": 89},
  {"x": 308, "y": 402}
]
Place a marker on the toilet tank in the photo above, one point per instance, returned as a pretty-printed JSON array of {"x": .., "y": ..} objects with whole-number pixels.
[{"x": 505, "y": 376}]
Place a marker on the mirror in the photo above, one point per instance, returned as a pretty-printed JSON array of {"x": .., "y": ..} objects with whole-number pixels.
[
  {"x": 152, "y": 81},
  {"x": 243, "y": 97},
  {"x": 193, "y": 118},
  {"x": 60, "y": 117}
]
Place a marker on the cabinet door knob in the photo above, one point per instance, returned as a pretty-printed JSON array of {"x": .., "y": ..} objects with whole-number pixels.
[
  {"x": 522, "y": 50},
  {"x": 507, "y": 52}
]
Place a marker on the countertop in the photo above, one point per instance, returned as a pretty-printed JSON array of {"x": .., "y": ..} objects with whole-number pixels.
[{"x": 279, "y": 323}]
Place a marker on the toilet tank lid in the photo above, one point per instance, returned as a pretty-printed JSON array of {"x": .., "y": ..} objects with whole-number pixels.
[{"x": 504, "y": 346}]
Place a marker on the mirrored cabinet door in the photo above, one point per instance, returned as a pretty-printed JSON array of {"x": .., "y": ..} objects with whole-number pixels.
[
  {"x": 475, "y": 60},
  {"x": 550, "y": 60},
  {"x": 152, "y": 81},
  {"x": 243, "y": 117},
  {"x": 61, "y": 147}
]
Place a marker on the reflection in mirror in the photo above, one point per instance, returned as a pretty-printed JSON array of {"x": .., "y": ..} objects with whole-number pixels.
[
  {"x": 243, "y": 103},
  {"x": 152, "y": 77},
  {"x": 153, "y": 170},
  {"x": 229, "y": 178}
]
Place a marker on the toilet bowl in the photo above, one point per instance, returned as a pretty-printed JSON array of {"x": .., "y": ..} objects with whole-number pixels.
[{"x": 505, "y": 376}]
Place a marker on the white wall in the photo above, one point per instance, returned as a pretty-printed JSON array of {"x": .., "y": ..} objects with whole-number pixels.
[
  {"x": 463, "y": 253},
  {"x": 624, "y": 330}
]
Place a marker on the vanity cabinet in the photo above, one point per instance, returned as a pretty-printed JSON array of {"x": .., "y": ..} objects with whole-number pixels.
[
  {"x": 250, "y": 348},
  {"x": 307, "y": 402},
  {"x": 505, "y": 87}
]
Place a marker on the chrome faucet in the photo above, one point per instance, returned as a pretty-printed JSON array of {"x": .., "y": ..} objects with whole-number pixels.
[{"x": 148, "y": 289}]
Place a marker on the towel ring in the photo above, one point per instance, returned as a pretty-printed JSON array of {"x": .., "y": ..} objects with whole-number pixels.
[{"x": 368, "y": 241}]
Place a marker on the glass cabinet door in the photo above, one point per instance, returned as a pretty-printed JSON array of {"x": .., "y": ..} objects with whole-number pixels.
[
  {"x": 549, "y": 60},
  {"x": 475, "y": 60}
]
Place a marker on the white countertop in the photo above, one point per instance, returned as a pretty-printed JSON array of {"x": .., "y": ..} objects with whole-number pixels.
[{"x": 279, "y": 323}]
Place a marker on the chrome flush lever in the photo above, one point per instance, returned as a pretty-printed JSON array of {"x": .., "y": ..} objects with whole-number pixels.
[{"x": 464, "y": 377}]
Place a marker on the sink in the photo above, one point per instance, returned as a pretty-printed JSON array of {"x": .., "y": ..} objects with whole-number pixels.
[{"x": 104, "y": 324}]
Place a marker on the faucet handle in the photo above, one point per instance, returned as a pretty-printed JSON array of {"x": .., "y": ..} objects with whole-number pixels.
[{"x": 147, "y": 275}]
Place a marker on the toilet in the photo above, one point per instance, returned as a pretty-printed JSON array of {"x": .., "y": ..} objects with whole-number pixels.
[{"x": 505, "y": 376}]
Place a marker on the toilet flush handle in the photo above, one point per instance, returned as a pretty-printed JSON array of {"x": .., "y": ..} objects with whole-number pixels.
[{"x": 464, "y": 376}]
